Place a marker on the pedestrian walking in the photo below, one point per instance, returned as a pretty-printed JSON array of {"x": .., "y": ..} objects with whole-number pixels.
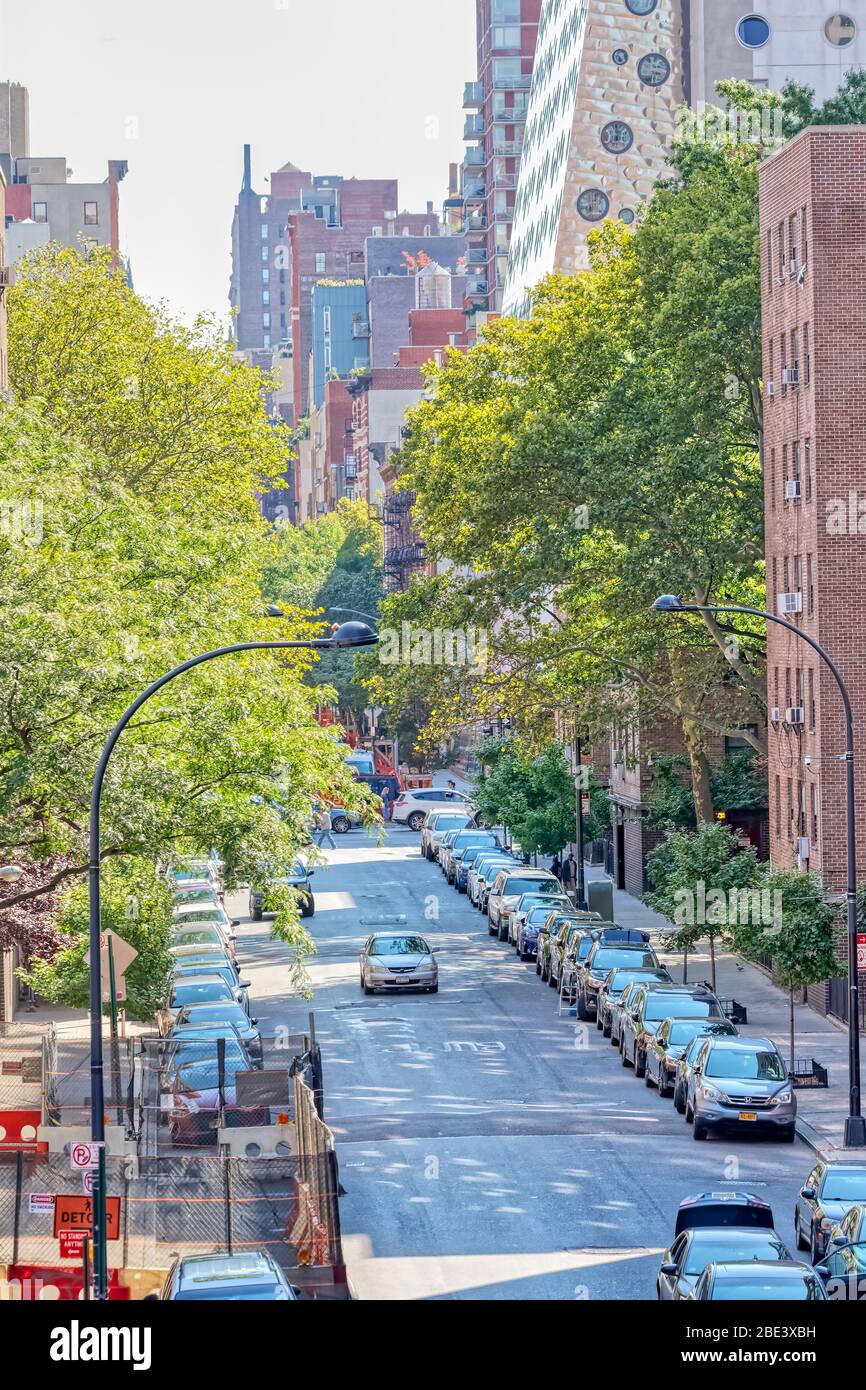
[
  {"x": 324, "y": 828},
  {"x": 556, "y": 867},
  {"x": 569, "y": 873},
  {"x": 387, "y": 805},
  {"x": 452, "y": 786}
]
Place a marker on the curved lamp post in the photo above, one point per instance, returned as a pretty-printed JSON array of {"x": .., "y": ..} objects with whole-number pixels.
[
  {"x": 346, "y": 636},
  {"x": 855, "y": 1123}
]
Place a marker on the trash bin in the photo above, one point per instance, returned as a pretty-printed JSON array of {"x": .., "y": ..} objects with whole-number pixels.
[{"x": 599, "y": 898}]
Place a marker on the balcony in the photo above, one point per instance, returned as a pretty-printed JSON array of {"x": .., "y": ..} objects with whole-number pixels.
[
  {"x": 475, "y": 158},
  {"x": 473, "y": 94},
  {"x": 477, "y": 287},
  {"x": 505, "y": 181},
  {"x": 511, "y": 115},
  {"x": 508, "y": 147},
  {"x": 475, "y": 225},
  {"x": 520, "y": 83},
  {"x": 477, "y": 255},
  {"x": 474, "y": 191},
  {"x": 473, "y": 126}
]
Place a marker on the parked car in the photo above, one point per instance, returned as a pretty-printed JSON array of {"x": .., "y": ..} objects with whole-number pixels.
[
  {"x": 851, "y": 1229},
  {"x": 830, "y": 1190},
  {"x": 225, "y": 1013},
  {"x": 617, "y": 1009},
  {"x": 531, "y": 923},
  {"x": 741, "y": 1080},
  {"x": 648, "y": 1008},
  {"x": 248, "y": 1275},
  {"x": 555, "y": 901},
  {"x": 266, "y": 899},
  {"x": 843, "y": 1268},
  {"x": 507, "y": 889},
  {"x": 398, "y": 960},
  {"x": 187, "y": 1045},
  {"x": 342, "y": 821},
  {"x": 207, "y": 954},
  {"x": 195, "y": 873},
  {"x": 613, "y": 985},
  {"x": 412, "y": 805},
  {"x": 201, "y": 989},
  {"x": 785, "y": 1281},
  {"x": 724, "y": 1208},
  {"x": 602, "y": 958},
  {"x": 198, "y": 1093},
  {"x": 484, "y": 873},
  {"x": 464, "y": 862},
  {"x": 464, "y": 840},
  {"x": 208, "y": 934},
  {"x": 190, "y": 968},
  {"x": 202, "y": 914},
  {"x": 692, "y": 1250},
  {"x": 569, "y": 950},
  {"x": 713, "y": 1028},
  {"x": 667, "y": 1045},
  {"x": 437, "y": 824},
  {"x": 202, "y": 896}
]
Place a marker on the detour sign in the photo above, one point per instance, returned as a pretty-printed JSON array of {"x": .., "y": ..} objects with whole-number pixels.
[{"x": 76, "y": 1214}]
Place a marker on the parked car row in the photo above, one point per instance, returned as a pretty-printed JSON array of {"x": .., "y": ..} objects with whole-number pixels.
[{"x": 209, "y": 1034}]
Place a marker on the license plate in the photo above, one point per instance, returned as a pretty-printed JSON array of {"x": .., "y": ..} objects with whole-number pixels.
[{"x": 748, "y": 1115}]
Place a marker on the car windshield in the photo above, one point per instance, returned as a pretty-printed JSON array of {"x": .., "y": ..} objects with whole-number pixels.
[
  {"x": 203, "y": 896},
  {"x": 759, "y": 1065},
  {"x": 729, "y": 1244},
  {"x": 682, "y": 1032},
  {"x": 199, "y": 992},
  {"x": 204, "y": 912},
  {"x": 537, "y": 899},
  {"x": 517, "y": 883},
  {"x": 216, "y": 1013},
  {"x": 233, "y": 1293},
  {"x": 841, "y": 1185},
  {"x": 449, "y": 822},
  {"x": 490, "y": 871},
  {"x": 618, "y": 955},
  {"x": 195, "y": 936},
  {"x": 663, "y": 1006},
  {"x": 399, "y": 946},
  {"x": 786, "y": 1287}
]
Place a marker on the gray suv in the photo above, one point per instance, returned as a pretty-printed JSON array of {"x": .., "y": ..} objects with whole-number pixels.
[{"x": 741, "y": 1081}]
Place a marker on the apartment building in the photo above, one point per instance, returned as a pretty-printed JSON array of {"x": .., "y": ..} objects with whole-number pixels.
[
  {"x": 813, "y": 248},
  {"x": 4, "y": 279}
]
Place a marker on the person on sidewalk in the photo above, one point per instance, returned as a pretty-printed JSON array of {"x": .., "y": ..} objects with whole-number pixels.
[
  {"x": 452, "y": 786},
  {"x": 569, "y": 874},
  {"x": 556, "y": 867},
  {"x": 324, "y": 828}
]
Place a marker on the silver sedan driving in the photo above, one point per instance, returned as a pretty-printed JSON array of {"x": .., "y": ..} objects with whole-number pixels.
[{"x": 398, "y": 960}]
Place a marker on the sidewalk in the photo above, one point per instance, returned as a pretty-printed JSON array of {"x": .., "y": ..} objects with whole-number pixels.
[{"x": 821, "y": 1113}]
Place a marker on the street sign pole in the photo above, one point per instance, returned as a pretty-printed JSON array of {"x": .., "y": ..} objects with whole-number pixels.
[{"x": 115, "y": 1046}]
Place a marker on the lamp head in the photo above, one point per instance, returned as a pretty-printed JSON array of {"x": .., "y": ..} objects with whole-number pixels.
[
  {"x": 668, "y": 603},
  {"x": 354, "y": 634}
]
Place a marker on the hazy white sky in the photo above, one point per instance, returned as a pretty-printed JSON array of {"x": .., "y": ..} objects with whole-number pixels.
[{"x": 371, "y": 88}]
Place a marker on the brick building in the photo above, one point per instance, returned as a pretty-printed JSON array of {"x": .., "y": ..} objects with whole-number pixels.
[
  {"x": 813, "y": 264},
  {"x": 4, "y": 275}
]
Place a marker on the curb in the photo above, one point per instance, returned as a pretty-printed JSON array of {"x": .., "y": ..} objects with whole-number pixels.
[{"x": 820, "y": 1145}]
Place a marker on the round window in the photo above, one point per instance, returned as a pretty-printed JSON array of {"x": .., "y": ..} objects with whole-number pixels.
[
  {"x": 654, "y": 69},
  {"x": 627, "y": 216},
  {"x": 593, "y": 204},
  {"x": 753, "y": 31},
  {"x": 620, "y": 57},
  {"x": 617, "y": 137},
  {"x": 840, "y": 29},
  {"x": 641, "y": 6}
]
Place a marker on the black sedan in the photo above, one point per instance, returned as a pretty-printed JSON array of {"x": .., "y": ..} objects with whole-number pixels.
[{"x": 787, "y": 1281}]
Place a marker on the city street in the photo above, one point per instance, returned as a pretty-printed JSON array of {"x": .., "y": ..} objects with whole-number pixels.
[{"x": 488, "y": 1148}]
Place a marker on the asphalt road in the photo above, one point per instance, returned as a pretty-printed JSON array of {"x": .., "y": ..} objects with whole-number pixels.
[{"x": 488, "y": 1147}]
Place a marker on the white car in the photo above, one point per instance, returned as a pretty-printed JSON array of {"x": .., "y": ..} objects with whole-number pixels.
[
  {"x": 201, "y": 934},
  {"x": 198, "y": 914},
  {"x": 508, "y": 888},
  {"x": 437, "y": 824},
  {"x": 412, "y": 805}
]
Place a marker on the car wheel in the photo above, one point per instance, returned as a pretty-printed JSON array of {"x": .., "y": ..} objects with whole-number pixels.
[
  {"x": 434, "y": 989},
  {"x": 647, "y": 1078},
  {"x": 415, "y": 820},
  {"x": 639, "y": 1061},
  {"x": 537, "y": 966},
  {"x": 700, "y": 1130},
  {"x": 814, "y": 1252},
  {"x": 491, "y": 930},
  {"x": 551, "y": 978},
  {"x": 461, "y": 888},
  {"x": 308, "y": 907},
  {"x": 368, "y": 989},
  {"x": 623, "y": 1052},
  {"x": 689, "y": 1114},
  {"x": 340, "y": 825},
  {"x": 430, "y": 855},
  {"x": 256, "y": 911},
  {"x": 502, "y": 930},
  {"x": 789, "y": 1134},
  {"x": 582, "y": 1011},
  {"x": 802, "y": 1242},
  {"x": 679, "y": 1103},
  {"x": 663, "y": 1085}
]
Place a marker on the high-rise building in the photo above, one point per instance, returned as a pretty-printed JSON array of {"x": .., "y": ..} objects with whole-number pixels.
[
  {"x": 813, "y": 233},
  {"x": 609, "y": 77},
  {"x": 496, "y": 104},
  {"x": 14, "y": 122},
  {"x": 4, "y": 278}
]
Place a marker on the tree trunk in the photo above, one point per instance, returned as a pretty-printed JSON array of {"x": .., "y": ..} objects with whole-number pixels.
[
  {"x": 700, "y": 769},
  {"x": 791, "y": 1008}
]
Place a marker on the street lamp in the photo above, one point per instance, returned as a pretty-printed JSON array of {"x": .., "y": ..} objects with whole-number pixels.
[
  {"x": 347, "y": 635},
  {"x": 855, "y": 1123}
]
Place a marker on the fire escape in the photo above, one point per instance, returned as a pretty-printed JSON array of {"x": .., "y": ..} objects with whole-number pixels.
[{"x": 404, "y": 548}]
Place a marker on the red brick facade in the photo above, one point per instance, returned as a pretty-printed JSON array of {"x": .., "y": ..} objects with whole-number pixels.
[{"x": 813, "y": 273}]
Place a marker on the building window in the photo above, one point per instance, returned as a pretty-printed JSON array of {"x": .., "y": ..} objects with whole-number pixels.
[
  {"x": 772, "y": 480},
  {"x": 753, "y": 31},
  {"x": 320, "y": 262},
  {"x": 91, "y": 214},
  {"x": 814, "y": 814},
  {"x": 840, "y": 30},
  {"x": 620, "y": 57},
  {"x": 792, "y": 242},
  {"x": 812, "y": 698},
  {"x": 266, "y": 320},
  {"x": 266, "y": 340},
  {"x": 641, "y": 6},
  {"x": 506, "y": 11},
  {"x": 627, "y": 216},
  {"x": 804, "y": 235},
  {"x": 377, "y": 231},
  {"x": 778, "y": 805},
  {"x": 780, "y": 244},
  {"x": 40, "y": 212},
  {"x": 810, "y": 588},
  {"x": 769, "y": 261},
  {"x": 654, "y": 69},
  {"x": 266, "y": 275},
  {"x": 593, "y": 204},
  {"x": 264, "y": 231},
  {"x": 264, "y": 253},
  {"x": 807, "y": 356},
  {"x": 506, "y": 36},
  {"x": 266, "y": 296},
  {"x": 617, "y": 137},
  {"x": 790, "y": 808},
  {"x": 795, "y": 357},
  {"x": 787, "y": 687},
  {"x": 807, "y": 468}
]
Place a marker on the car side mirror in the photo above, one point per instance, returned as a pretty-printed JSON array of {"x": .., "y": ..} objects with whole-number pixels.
[
  {"x": 662, "y": 1044},
  {"x": 668, "y": 1268},
  {"x": 236, "y": 921},
  {"x": 822, "y": 1271},
  {"x": 808, "y": 1193},
  {"x": 310, "y": 873},
  {"x": 254, "y": 1020},
  {"x": 697, "y": 1069},
  {"x": 244, "y": 984}
]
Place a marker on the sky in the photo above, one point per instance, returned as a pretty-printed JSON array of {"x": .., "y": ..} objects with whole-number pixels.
[{"x": 371, "y": 88}]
